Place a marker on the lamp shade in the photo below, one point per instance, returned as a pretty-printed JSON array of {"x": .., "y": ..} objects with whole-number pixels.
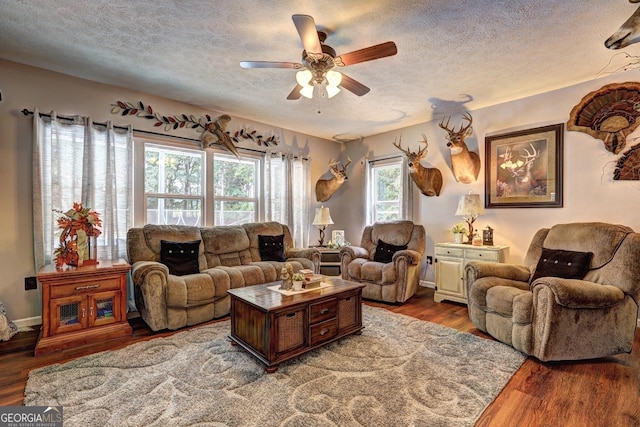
[
  {"x": 323, "y": 216},
  {"x": 470, "y": 205}
]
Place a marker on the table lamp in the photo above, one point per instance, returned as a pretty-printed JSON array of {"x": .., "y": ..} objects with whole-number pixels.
[
  {"x": 321, "y": 220},
  {"x": 470, "y": 206}
]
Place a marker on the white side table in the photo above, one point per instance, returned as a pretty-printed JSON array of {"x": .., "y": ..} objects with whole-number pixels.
[{"x": 450, "y": 260}]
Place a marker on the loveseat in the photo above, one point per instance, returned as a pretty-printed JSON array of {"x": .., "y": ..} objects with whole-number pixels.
[{"x": 170, "y": 296}]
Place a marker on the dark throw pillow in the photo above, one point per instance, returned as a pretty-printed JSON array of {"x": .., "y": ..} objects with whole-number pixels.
[
  {"x": 384, "y": 251},
  {"x": 180, "y": 257},
  {"x": 564, "y": 264},
  {"x": 271, "y": 248}
]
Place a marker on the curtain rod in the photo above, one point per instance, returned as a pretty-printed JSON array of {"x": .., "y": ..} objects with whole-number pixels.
[
  {"x": 384, "y": 158},
  {"x": 146, "y": 132}
]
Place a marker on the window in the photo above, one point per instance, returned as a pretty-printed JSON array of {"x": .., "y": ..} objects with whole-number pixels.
[
  {"x": 388, "y": 190},
  {"x": 173, "y": 185},
  {"x": 235, "y": 187}
]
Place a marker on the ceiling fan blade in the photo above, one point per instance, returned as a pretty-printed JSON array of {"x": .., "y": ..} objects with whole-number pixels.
[
  {"x": 295, "y": 93},
  {"x": 268, "y": 64},
  {"x": 381, "y": 50},
  {"x": 353, "y": 86},
  {"x": 308, "y": 32}
]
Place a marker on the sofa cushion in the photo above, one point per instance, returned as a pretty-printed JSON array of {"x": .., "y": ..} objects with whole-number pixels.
[
  {"x": 226, "y": 245},
  {"x": 561, "y": 263},
  {"x": 180, "y": 257},
  {"x": 384, "y": 251},
  {"x": 271, "y": 248}
]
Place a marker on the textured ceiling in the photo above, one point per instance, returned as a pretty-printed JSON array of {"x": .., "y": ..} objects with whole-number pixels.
[{"x": 452, "y": 54}]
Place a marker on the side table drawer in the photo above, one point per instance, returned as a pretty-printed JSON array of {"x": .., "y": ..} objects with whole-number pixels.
[
  {"x": 482, "y": 255},
  {"x": 109, "y": 284},
  {"x": 455, "y": 252},
  {"x": 323, "y": 310},
  {"x": 323, "y": 331}
]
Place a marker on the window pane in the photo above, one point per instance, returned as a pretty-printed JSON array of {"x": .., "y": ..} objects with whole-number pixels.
[
  {"x": 387, "y": 192},
  {"x": 161, "y": 210},
  {"x": 230, "y": 213},
  {"x": 234, "y": 178},
  {"x": 172, "y": 171}
]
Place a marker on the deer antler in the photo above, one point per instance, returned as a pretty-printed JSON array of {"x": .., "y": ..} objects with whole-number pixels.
[
  {"x": 466, "y": 116},
  {"x": 445, "y": 127},
  {"x": 344, "y": 168},
  {"x": 399, "y": 146}
]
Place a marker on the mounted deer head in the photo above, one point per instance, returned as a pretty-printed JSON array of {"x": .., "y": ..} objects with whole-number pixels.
[
  {"x": 428, "y": 180},
  {"x": 464, "y": 163},
  {"x": 628, "y": 33},
  {"x": 326, "y": 187}
]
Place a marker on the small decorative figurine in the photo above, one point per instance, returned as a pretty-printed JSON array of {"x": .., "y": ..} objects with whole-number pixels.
[
  {"x": 487, "y": 236},
  {"x": 286, "y": 275}
]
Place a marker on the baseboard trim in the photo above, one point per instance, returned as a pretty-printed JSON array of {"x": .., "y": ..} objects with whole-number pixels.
[{"x": 28, "y": 322}]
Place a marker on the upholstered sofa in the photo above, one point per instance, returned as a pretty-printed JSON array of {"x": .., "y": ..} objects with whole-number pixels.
[
  {"x": 387, "y": 260},
  {"x": 228, "y": 257},
  {"x": 575, "y": 297}
]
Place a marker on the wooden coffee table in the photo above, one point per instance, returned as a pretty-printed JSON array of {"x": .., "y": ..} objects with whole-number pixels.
[{"x": 275, "y": 327}]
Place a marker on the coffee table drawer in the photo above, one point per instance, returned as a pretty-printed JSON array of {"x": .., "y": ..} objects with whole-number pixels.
[
  {"x": 324, "y": 331},
  {"x": 290, "y": 327},
  {"x": 323, "y": 310}
]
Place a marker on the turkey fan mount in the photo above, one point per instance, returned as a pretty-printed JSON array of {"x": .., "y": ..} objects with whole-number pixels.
[{"x": 609, "y": 114}]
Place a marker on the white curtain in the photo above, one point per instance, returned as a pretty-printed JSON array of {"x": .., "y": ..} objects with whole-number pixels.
[
  {"x": 287, "y": 193},
  {"x": 76, "y": 160}
]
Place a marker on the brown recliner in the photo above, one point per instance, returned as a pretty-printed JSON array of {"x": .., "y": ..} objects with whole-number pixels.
[
  {"x": 555, "y": 318},
  {"x": 392, "y": 281}
]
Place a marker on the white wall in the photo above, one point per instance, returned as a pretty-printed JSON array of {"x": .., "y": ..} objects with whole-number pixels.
[
  {"x": 28, "y": 87},
  {"x": 590, "y": 194}
]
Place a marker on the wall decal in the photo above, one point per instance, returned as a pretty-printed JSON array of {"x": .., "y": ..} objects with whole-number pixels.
[
  {"x": 609, "y": 114},
  {"x": 212, "y": 130}
]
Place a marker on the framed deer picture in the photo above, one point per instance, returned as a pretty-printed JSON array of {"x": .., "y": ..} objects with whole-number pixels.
[{"x": 523, "y": 169}]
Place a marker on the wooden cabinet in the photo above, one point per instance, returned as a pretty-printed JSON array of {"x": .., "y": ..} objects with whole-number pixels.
[
  {"x": 451, "y": 259},
  {"x": 275, "y": 328},
  {"x": 330, "y": 262},
  {"x": 81, "y": 305}
]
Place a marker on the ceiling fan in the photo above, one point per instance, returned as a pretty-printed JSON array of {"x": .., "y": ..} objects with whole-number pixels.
[{"x": 319, "y": 62}]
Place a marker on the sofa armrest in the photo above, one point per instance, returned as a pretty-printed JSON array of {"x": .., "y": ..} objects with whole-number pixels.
[
  {"x": 477, "y": 269},
  {"x": 573, "y": 293},
  {"x": 150, "y": 280},
  {"x": 412, "y": 257},
  {"x": 354, "y": 252},
  {"x": 141, "y": 269},
  {"x": 309, "y": 253}
]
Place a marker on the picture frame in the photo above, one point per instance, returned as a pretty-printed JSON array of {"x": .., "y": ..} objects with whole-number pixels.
[
  {"x": 337, "y": 236},
  {"x": 523, "y": 169}
]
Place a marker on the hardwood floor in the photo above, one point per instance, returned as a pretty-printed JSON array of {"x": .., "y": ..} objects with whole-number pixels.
[{"x": 594, "y": 393}]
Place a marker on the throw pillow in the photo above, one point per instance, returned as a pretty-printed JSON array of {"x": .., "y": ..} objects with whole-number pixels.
[
  {"x": 271, "y": 248},
  {"x": 180, "y": 257},
  {"x": 564, "y": 264},
  {"x": 384, "y": 251}
]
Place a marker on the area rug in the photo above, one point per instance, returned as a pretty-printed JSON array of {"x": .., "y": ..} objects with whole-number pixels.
[{"x": 400, "y": 372}]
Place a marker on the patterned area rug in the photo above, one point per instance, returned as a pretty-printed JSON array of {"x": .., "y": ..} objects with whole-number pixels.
[{"x": 401, "y": 371}]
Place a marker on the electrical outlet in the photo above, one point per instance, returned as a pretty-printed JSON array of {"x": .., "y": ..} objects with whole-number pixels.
[
  {"x": 429, "y": 259},
  {"x": 30, "y": 283}
]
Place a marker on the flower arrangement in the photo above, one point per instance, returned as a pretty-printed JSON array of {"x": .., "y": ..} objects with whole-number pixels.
[
  {"x": 459, "y": 228},
  {"x": 78, "y": 226},
  {"x": 334, "y": 244},
  {"x": 297, "y": 277}
]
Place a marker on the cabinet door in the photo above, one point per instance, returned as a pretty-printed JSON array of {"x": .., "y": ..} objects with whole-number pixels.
[
  {"x": 450, "y": 276},
  {"x": 104, "y": 308},
  {"x": 68, "y": 314}
]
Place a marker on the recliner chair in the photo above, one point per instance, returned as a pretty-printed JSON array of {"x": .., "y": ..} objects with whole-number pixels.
[
  {"x": 387, "y": 260},
  {"x": 546, "y": 310}
]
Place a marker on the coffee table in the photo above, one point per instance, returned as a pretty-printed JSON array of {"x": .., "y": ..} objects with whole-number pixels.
[{"x": 275, "y": 327}]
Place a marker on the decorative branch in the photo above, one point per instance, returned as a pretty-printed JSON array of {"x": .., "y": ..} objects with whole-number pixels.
[{"x": 210, "y": 128}]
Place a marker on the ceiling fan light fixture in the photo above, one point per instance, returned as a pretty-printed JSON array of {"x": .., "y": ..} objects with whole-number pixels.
[
  {"x": 332, "y": 90},
  {"x": 307, "y": 91},
  {"x": 334, "y": 78},
  {"x": 303, "y": 77}
]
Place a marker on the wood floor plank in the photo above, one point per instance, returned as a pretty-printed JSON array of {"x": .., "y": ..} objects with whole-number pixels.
[{"x": 593, "y": 393}]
